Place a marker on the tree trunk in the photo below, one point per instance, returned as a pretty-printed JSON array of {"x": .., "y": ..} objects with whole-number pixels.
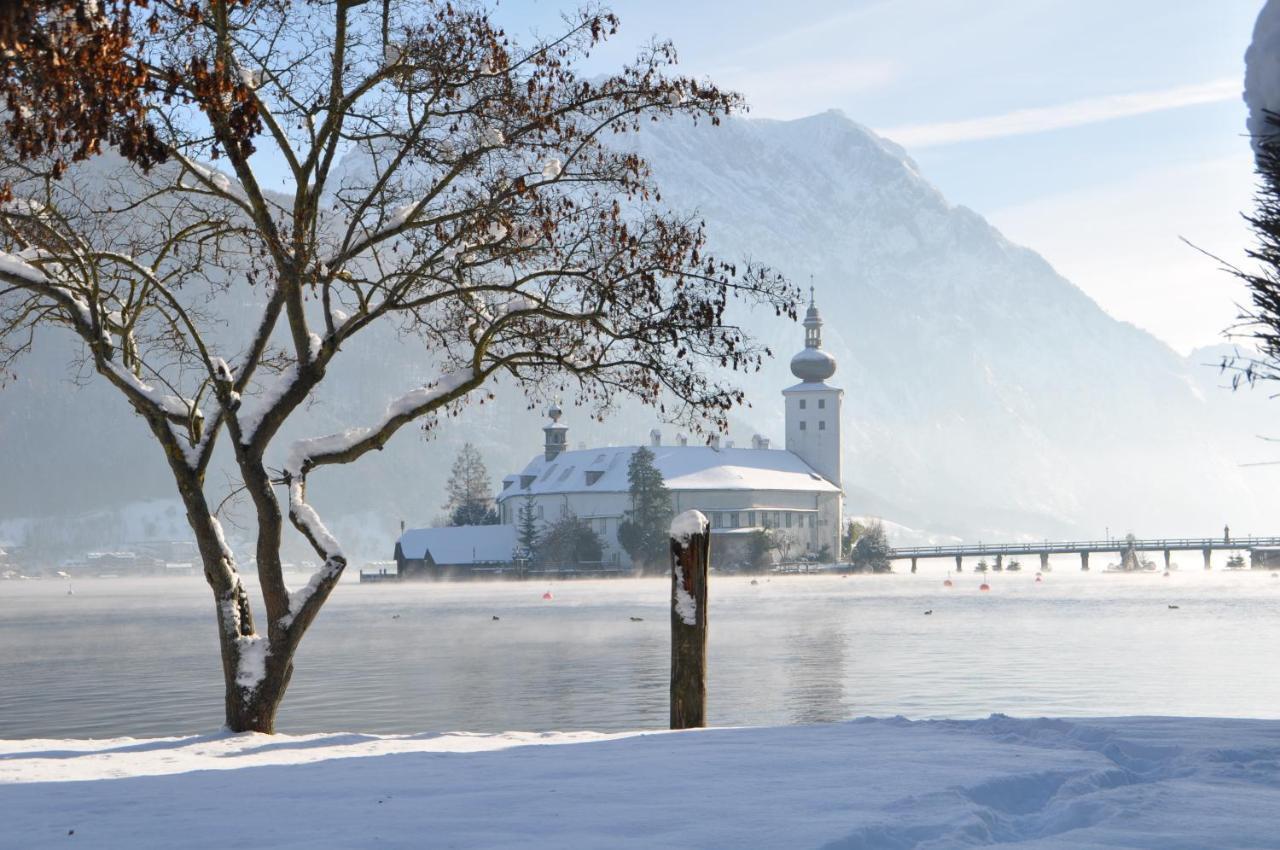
[
  {"x": 690, "y": 557},
  {"x": 253, "y": 709}
]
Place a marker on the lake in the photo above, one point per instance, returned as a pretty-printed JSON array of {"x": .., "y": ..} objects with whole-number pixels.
[{"x": 139, "y": 657}]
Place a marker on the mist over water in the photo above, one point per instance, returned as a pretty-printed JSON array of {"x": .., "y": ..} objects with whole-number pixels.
[{"x": 140, "y": 658}]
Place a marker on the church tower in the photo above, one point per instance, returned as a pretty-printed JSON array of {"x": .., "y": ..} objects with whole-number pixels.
[
  {"x": 555, "y": 435},
  {"x": 813, "y": 405}
]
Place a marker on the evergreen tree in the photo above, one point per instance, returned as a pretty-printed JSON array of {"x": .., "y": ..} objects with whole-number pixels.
[
  {"x": 470, "y": 496},
  {"x": 646, "y": 530},
  {"x": 871, "y": 550},
  {"x": 527, "y": 527},
  {"x": 852, "y": 532},
  {"x": 474, "y": 513},
  {"x": 761, "y": 545},
  {"x": 570, "y": 542}
]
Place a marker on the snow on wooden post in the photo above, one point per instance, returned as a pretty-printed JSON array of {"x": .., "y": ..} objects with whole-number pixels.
[{"x": 690, "y": 555}]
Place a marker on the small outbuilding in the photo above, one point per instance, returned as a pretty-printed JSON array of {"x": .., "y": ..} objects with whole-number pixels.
[{"x": 458, "y": 551}]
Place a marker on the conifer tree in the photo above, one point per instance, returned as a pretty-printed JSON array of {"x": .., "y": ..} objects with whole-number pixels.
[
  {"x": 470, "y": 496},
  {"x": 871, "y": 550},
  {"x": 527, "y": 529},
  {"x": 645, "y": 530}
]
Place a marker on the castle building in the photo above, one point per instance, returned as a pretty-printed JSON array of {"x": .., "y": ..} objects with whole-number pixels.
[{"x": 794, "y": 491}]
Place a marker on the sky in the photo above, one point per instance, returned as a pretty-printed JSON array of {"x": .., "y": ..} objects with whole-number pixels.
[{"x": 1105, "y": 135}]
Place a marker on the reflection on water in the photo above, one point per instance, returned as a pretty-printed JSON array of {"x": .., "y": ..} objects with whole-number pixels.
[{"x": 139, "y": 657}]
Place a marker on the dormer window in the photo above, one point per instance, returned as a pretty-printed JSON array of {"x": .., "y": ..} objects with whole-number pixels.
[
  {"x": 525, "y": 481},
  {"x": 593, "y": 475}
]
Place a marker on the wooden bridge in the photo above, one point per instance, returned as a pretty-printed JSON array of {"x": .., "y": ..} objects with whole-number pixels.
[{"x": 1205, "y": 545}]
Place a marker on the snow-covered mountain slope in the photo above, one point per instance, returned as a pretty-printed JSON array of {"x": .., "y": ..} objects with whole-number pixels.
[{"x": 986, "y": 395}]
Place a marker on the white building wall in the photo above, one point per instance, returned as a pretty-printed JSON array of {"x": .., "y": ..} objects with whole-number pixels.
[
  {"x": 754, "y": 509},
  {"x": 813, "y": 427}
]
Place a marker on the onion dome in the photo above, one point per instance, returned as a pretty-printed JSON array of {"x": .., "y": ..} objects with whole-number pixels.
[{"x": 812, "y": 364}]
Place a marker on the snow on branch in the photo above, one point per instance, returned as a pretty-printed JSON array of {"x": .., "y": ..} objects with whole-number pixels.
[
  {"x": 15, "y": 266},
  {"x": 308, "y": 522},
  {"x": 251, "y": 420},
  {"x": 304, "y": 453},
  {"x": 174, "y": 407}
]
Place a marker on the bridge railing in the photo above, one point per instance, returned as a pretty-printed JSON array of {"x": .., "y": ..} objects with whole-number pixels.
[{"x": 1067, "y": 547}]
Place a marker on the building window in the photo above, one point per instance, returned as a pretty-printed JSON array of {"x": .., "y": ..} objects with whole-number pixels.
[
  {"x": 540, "y": 512},
  {"x": 788, "y": 519},
  {"x": 733, "y": 520},
  {"x": 777, "y": 520},
  {"x": 822, "y": 424},
  {"x": 802, "y": 424},
  {"x": 751, "y": 519},
  {"x": 812, "y": 517},
  {"x": 822, "y": 404},
  {"x": 802, "y": 404}
]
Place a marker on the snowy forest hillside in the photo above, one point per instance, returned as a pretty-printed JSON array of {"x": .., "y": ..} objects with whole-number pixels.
[{"x": 986, "y": 396}]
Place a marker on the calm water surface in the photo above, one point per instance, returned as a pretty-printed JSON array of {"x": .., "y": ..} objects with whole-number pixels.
[{"x": 134, "y": 657}]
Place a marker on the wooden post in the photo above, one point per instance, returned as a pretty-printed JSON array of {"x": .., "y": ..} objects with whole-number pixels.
[{"x": 690, "y": 555}]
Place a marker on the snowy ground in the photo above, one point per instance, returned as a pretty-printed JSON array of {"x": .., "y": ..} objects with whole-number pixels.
[{"x": 1132, "y": 782}]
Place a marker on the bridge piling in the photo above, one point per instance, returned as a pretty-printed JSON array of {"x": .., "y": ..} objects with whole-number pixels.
[
  {"x": 1167, "y": 560},
  {"x": 913, "y": 565},
  {"x": 959, "y": 564},
  {"x": 999, "y": 562},
  {"x": 1044, "y": 562},
  {"x": 1084, "y": 562},
  {"x": 1207, "y": 553}
]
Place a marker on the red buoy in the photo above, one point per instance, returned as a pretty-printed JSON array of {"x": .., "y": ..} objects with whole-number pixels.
[
  {"x": 547, "y": 595},
  {"x": 984, "y": 586},
  {"x": 947, "y": 583},
  {"x": 1038, "y": 579}
]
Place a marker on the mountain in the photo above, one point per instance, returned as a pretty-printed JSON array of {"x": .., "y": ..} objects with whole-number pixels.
[{"x": 986, "y": 396}]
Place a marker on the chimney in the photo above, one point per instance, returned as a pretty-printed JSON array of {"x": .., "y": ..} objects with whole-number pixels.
[
  {"x": 728, "y": 444},
  {"x": 759, "y": 442},
  {"x": 714, "y": 442},
  {"x": 655, "y": 437},
  {"x": 682, "y": 439}
]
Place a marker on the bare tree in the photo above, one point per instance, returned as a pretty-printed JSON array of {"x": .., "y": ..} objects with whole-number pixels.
[{"x": 442, "y": 181}]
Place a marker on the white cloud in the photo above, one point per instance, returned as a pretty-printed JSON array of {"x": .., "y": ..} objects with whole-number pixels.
[{"x": 1073, "y": 114}]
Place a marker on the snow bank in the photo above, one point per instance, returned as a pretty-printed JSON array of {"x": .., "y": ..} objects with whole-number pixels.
[{"x": 867, "y": 784}]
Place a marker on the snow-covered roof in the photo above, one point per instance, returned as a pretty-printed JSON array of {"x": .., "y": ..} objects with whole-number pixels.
[
  {"x": 682, "y": 467},
  {"x": 460, "y": 544}
]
